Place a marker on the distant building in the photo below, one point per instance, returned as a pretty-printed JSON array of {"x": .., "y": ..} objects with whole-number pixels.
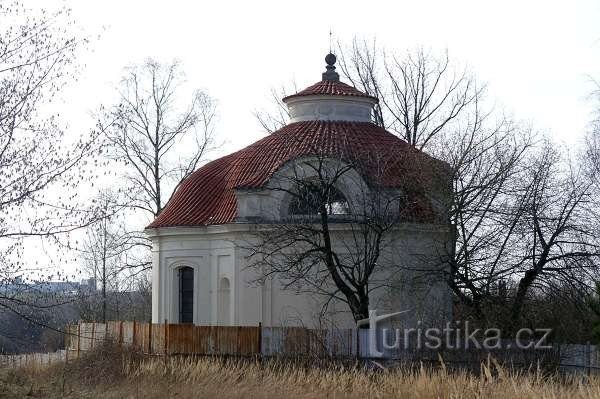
[{"x": 19, "y": 285}]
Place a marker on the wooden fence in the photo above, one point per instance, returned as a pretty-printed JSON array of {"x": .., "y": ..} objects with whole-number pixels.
[{"x": 187, "y": 339}]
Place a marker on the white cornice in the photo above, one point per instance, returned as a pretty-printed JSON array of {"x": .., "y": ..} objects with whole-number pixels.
[{"x": 225, "y": 229}]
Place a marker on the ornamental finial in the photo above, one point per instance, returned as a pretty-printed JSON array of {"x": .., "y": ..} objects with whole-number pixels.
[{"x": 330, "y": 74}]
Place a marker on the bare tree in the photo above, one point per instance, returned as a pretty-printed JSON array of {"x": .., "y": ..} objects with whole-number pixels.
[
  {"x": 158, "y": 139},
  {"x": 40, "y": 166},
  {"x": 557, "y": 242},
  {"x": 432, "y": 105},
  {"x": 508, "y": 246},
  {"x": 435, "y": 106},
  {"x": 35, "y": 54},
  {"x": 421, "y": 95},
  {"x": 336, "y": 234},
  {"x": 278, "y": 116},
  {"x": 527, "y": 229},
  {"x": 104, "y": 248},
  {"x": 158, "y": 136},
  {"x": 485, "y": 165},
  {"x": 592, "y": 155}
]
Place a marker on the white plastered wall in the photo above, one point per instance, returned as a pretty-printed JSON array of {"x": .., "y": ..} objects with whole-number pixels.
[{"x": 217, "y": 252}]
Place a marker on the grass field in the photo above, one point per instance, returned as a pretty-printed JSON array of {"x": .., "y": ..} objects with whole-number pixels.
[{"x": 110, "y": 373}]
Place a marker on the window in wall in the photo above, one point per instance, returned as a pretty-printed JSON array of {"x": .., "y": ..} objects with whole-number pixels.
[
  {"x": 186, "y": 295},
  {"x": 224, "y": 304},
  {"x": 310, "y": 197}
]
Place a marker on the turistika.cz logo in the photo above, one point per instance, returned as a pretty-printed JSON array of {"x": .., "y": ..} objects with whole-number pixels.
[{"x": 455, "y": 335}]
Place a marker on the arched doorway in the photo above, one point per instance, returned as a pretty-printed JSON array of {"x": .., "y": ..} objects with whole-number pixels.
[
  {"x": 186, "y": 294},
  {"x": 224, "y": 304}
]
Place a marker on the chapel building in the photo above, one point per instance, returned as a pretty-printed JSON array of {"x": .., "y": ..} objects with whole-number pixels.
[{"x": 203, "y": 271}]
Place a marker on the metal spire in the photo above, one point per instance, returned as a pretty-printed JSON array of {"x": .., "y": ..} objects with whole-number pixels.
[{"x": 330, "y": 74}]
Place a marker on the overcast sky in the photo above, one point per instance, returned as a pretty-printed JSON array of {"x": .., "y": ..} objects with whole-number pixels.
[{"x": 536, "y": 56}]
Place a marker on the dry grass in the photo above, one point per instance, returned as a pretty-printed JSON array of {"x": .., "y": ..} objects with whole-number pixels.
[{"x": 110, "y": 373}]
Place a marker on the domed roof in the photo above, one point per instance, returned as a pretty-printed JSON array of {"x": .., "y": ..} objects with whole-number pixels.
[
  {"x": 207, "y": 196},
  {"x": 330, "y": 88},
  {"x": 324, "y": 124}
]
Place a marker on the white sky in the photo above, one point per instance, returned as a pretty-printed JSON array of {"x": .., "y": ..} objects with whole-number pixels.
[{"x": 536, "y": 56}]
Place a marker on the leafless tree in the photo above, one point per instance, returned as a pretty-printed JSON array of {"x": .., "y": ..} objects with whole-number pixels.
[
  {"x": 40, "y": 167},
  {"x": 278, "y": 115},
  {"x": 104, "y": 248},
  {"x": 334, "y": 239},
  {"x": 557, "y": 242},
  {"x": 485, "y": 165},
  {"x": 507, "y": 244},
  {"x": 432, "y": 105},
  {"x": 592, "y": 155},
  {"x": 529, "y": 228},
  {"x": 421, "y": 95},
  {"x": 439, "y": 108},
  {"x": 158, "y": 135},
  {"x": 159, "y": 139}
]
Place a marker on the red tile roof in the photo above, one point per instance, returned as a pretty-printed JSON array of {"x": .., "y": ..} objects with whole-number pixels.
[
  {"x": 329, "y": 87},
  {"x": 207, "y": 196}
]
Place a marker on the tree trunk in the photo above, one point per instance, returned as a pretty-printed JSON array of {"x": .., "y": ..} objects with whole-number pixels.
[
  {"x": 517, "y": 307},
  {"x": 104, "y": 272},
  {"x": 363, "y": 310}
]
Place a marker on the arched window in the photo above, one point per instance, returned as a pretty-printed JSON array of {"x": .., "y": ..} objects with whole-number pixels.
[
  {"x": 224, "y": 304},
  {"x": 310, "y": 196},
  {"x": 186, "y": 294}
]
